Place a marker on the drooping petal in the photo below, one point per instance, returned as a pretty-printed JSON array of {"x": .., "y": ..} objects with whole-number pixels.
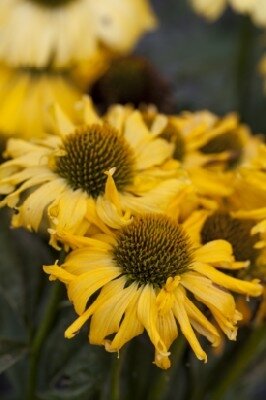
[
  {"x": 83, "y": 286},
  {"x": 107, "y": 293},
  {"x": 106, "y": 320},
  {"x": 200, "y": 323},
  {"x": 185, "y": 326},
  {"x": 205, "y": 291},
  {"x": 130, "y": 326},
  {"x": 237, "y": 285},
  {"x": 167, "y": 329},
  {"x": 147, "y": 314},
  {"x": 31, "y": 211}
]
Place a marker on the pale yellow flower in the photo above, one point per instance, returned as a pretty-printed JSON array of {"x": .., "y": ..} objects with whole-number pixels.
[
  {"x": 89, "y": 173},
  {"x": 151, "y": 275},
  {"x": 63, "y": 32}
]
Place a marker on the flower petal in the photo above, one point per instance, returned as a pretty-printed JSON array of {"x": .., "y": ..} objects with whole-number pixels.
[
  {"x": 237, "y": 285},
  {"x": 83, "y": 286},
  {"x": 148, "y": 314},
  {"x": 107, "y": 318},
  {"x": 215, "y": 252},
  {"x": 183, "y": 320}
]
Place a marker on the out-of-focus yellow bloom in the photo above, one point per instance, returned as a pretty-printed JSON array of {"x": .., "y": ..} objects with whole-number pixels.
[
  {"x": 249, "y": 199},
  {"x": 212, "y": 9},
  {"x": 26, "y": 97},
  {"x": 62, "y": 32},
  {"x": 90, "y": 173},
  {"x": 209, "y": 148},
  {"x": 149, "y": 274}
]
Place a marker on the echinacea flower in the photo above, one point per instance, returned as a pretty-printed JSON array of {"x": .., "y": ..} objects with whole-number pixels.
[
  {"x": 213, "y": 9},
  {"x": 63, "y": 32},
  {"x": 26, "y": 99},
  {"x": 202, "y": 145},
  {"x": 89, "y": 172},
  {"x": 249, "y": 197},
  {"x": 150, "y": 275}
]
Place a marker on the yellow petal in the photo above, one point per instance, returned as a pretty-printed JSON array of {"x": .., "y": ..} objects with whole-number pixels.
[
  {"x": 31, "y": 211},
  {"x": 237, "y": 285},
  {"x": 65, "y": 126},
  {"x": 227, "y": 325},
  {"x": 107, "y": 293},
  {"x": 107, "y": 318},
  {"x": 82, "y": 260},
  {"x": 194, "y": 223},
  {"x": 215, "y": 252},
  {"x": 147, "y": 314},
  {"x": 201, "y": 324},
  {"x": 205, "y": 291},
  {"x": 153, "y": 154},
  {"x": 57, "y": 272},
  {"x": 130, "y": 326},
  {"x": 185, "y": 326},
  {"x": 82, "y": 287},
  {"x": 89, "y": 114},
  {"x": 136, "y": 131}
]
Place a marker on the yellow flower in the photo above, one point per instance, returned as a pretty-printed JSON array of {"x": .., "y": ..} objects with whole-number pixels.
[
  {"x": 63, "y": 32},
  {"x": 151, "y": 275},
  {"x": 26, "y": 99},
  {"x": 249, "y": 197},
  {"x": 89, "y": 173},
  {"x": 208, "y": 148},
  {"x": 214, "y": 9}
]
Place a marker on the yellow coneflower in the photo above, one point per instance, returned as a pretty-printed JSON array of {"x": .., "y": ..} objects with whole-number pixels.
[
  {"x": 151, "y": 275},
  {"x": 212, "y": 10},
  {"x": 62, "y": 32},
  {"x": 208, "y": 148},
  {"x": 249, "y": 197},
  {"x": 92, "y": 171},
  {"x": 26, "y": 99}
]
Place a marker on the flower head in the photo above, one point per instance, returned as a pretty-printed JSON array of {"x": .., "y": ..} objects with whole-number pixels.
[
  {"x": 90, "y": 173},
  {"x": 151, "y": 275},
  {"x": 63, "y": 32}
]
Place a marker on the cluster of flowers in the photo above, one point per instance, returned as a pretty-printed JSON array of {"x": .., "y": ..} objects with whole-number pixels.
[
  {"x": 161, "y": 216},
  {"x": 52, "y": 50}
]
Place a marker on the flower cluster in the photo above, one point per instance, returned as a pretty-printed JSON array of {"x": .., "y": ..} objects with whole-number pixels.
[
  {"x": 151, "y": 211},
  {"x": 52, "y": 50}
]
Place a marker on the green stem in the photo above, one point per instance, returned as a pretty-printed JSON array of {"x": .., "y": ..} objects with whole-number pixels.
[
  {"x": 115, "y": 378},
  {"x": 244, "y": 65},
  {"x": 245, "y": 355},
  {"x": 41, "y": 334},
  {"x": 160, "y": 386}
]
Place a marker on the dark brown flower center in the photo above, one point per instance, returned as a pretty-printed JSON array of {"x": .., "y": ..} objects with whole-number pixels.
[
  {"x": 237, "y": 232},
  {"x": 52, "y": 3},
  {"x": 91, "y": 151},
  {"x": 230, "y": 142},
  {"x": 151, "y": 249}
]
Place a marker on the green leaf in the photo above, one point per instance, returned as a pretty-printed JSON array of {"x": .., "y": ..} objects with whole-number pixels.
[
  {"x": 71, "y": 369},
  {"x": 10, "y": 353},
  {"x": 23, "y": 282}
]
